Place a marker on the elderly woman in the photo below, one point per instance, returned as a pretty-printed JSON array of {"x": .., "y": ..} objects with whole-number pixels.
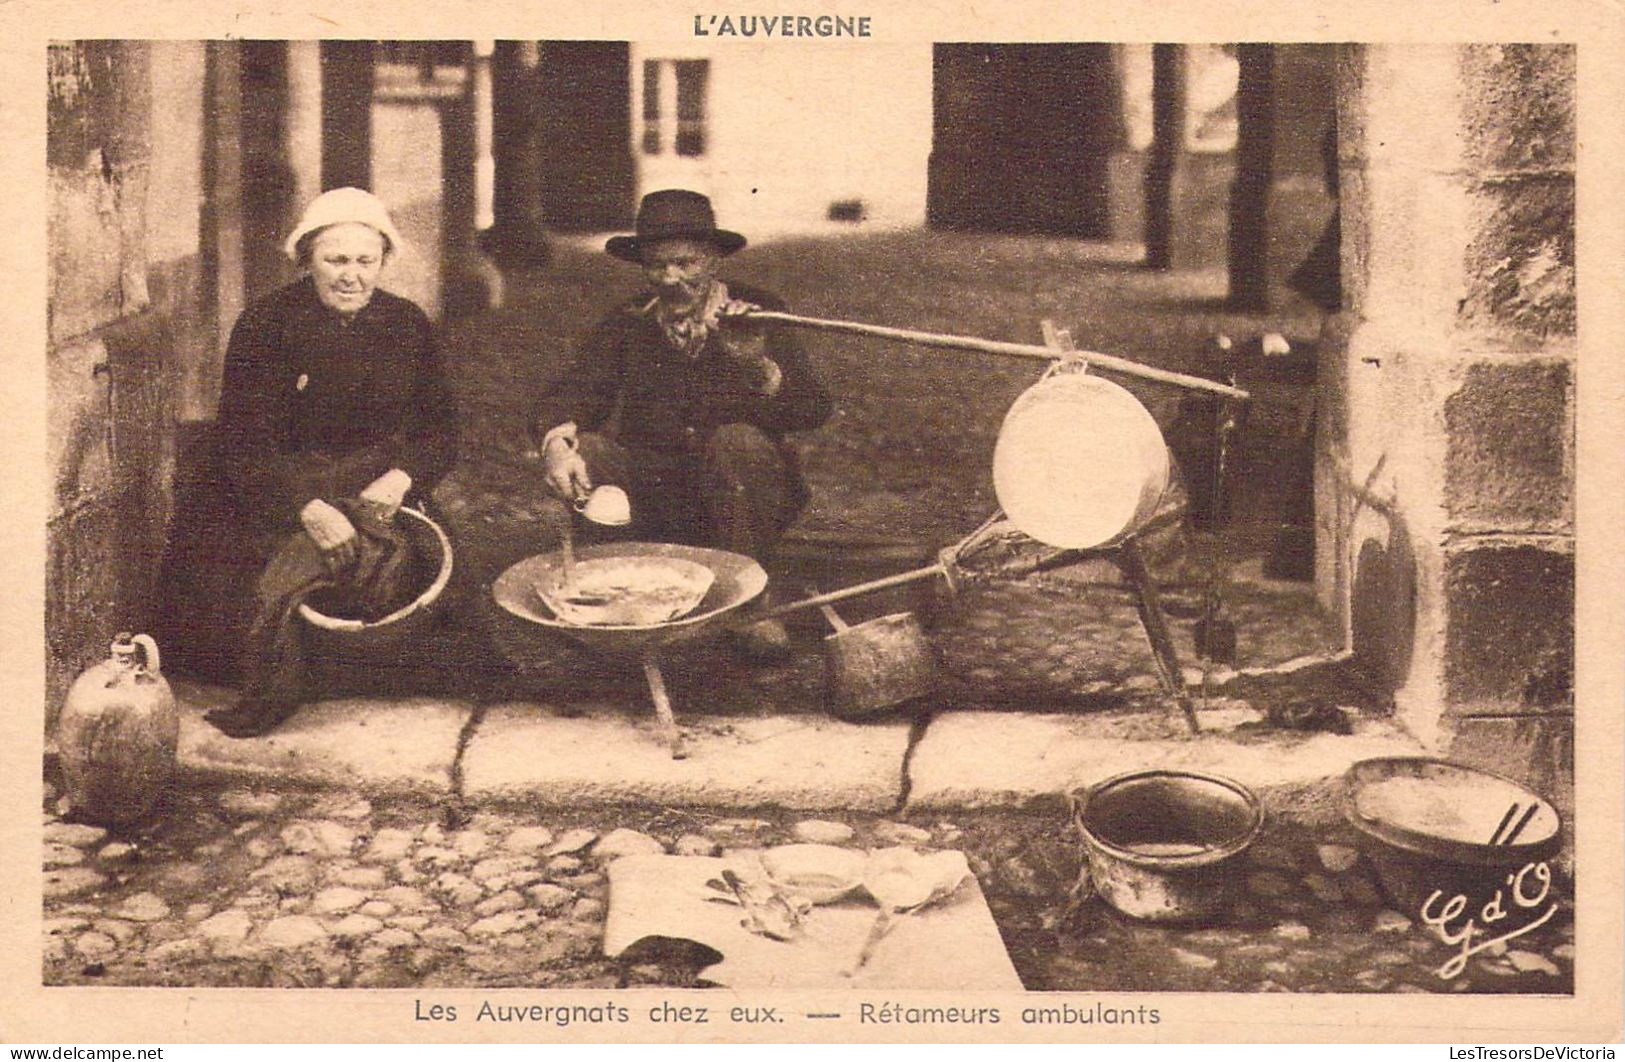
[{"x": 332, "y": 392}]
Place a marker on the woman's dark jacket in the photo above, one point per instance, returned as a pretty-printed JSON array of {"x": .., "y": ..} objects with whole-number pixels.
[{"x": 312, "y": 406}]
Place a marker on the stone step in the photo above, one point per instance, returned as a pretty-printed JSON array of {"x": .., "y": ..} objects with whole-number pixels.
[
  {"x": 530, "y": 753},
  {"x": 1014, "y": 760},
  {"x": 400, "y": 746},
  {"x": 610, "y": 752}
]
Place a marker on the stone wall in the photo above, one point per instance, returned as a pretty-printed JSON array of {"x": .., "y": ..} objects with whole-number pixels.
[
  {"x": 1445, "y": 463},
  {"x": 130, "y": 323}
]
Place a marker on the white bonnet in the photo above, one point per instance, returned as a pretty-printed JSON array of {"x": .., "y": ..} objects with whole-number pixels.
[{"x": 338, "y": 206}]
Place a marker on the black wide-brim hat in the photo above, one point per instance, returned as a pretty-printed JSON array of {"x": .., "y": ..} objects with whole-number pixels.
[{"x": 674, "y": 214}]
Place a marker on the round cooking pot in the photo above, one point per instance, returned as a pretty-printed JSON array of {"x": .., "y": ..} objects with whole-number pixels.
[
  {"x": 1161, "y": 845},
  {"x": 1080, "y": 463}
]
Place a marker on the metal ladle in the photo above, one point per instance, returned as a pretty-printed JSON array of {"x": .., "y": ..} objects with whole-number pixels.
[{"x": 607, "y": 506}]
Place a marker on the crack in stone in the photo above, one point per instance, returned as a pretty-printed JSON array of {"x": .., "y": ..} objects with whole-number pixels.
[
  {"x": 457, "y": 812},
  {"x": 916, "y": 733}
]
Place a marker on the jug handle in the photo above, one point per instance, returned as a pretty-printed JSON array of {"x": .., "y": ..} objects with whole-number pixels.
[{"x": 149, "y": 651}]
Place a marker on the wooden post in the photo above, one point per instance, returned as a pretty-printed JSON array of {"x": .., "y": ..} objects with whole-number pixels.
[
  {"x": 346, "y": 114},
  {"x": 1255, "y": 172},
  {"x": 1167, "y": 143},
  {"x": 222, "y": 207}
]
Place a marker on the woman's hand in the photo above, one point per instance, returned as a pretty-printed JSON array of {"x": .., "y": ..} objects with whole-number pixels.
[
  {"x": 564, "y": 470},
  {"x": 384, "y": 495},
  {"x": 332, "y": 532}
]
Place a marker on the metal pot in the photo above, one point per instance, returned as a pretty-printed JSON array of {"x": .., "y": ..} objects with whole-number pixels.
[
  {"x": 877, "y": 665},
  {"x": 1162, "y": 845},
  {"x": 353, "y": 639},
  {"x": 1080, "y": 463},
  {"x": 1414, "y": 857}
]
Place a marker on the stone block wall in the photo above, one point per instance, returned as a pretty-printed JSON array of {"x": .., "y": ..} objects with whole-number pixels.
[
  {"x": 129, "y": 325},
  {"x": 1445, "y": 462}
]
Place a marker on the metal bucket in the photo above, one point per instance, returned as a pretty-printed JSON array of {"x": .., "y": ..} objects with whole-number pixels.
[
  {"x": 338, "y": 638},
  {"x": 1162, "y": 846},
  {"x": 877, "y": 665},
  {"x": 1080, "y": 463}
]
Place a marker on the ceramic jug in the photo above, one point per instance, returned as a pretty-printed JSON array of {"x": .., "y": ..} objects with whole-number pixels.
[{"x": 117, "y": 735}]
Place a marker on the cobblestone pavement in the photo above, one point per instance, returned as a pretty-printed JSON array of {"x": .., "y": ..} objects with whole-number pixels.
[{"x": 255, "y": 887}]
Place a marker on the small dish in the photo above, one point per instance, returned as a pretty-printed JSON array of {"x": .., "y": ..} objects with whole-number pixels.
[{"x": 818, "y": 873}]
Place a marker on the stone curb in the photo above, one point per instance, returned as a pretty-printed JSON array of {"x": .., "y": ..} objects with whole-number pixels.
[
  {"x": 1005, "y": 760},
  {"x": 535, "y": 754},
  {"x": 403, "y": 746},
  {"x": 529, "y": 752}
]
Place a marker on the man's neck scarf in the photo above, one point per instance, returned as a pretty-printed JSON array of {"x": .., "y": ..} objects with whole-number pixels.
[{"x": 687, "y": 330}]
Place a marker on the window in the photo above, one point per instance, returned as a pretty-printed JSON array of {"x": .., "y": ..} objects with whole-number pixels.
[{"x": 674, "y": 106}]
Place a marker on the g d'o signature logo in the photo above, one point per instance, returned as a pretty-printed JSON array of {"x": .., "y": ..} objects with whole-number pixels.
[{"x": 1524, "y": 898}]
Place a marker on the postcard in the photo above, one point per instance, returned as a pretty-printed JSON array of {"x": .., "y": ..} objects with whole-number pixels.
[{"x": 864, "y": 523}]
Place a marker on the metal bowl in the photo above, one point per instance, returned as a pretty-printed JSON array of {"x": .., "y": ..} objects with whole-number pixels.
[
  {"x": 1426, "y": 823},
  {"x": 625, "y": 591},
  {"x": 818, "y": 873},
  {"x": 341, "y": 637},
  {"x": 527, "y": 632}
]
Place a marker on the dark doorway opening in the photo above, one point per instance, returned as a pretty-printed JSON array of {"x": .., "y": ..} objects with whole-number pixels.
[
  {"x": 582, "y": 134},
  {"x": 1021, "y": 137}
]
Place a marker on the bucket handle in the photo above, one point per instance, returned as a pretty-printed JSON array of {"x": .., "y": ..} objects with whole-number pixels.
[
  {"x": 829, "y": 612},
  {"x": 149, "y": 652}
]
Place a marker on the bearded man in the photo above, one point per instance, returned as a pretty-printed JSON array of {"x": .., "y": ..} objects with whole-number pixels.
[{"x": 677, "y": 398}]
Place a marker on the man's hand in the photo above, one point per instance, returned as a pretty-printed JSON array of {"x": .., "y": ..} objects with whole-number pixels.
[
  {"x": 332, "y": 532},
  {"x": 564, "y": 471},
  {"x": 746, "y": 343},
  {"x": 732, "y": 307}
]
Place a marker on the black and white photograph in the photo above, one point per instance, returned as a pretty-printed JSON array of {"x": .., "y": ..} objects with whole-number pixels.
[{"x": 817, "y": 526}]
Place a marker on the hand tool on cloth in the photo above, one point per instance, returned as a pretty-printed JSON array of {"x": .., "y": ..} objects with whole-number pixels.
[{"x": 903, "y": 881}]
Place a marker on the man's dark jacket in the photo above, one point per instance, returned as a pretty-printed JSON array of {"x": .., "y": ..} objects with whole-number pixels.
[{"x": 668, "y": 401}]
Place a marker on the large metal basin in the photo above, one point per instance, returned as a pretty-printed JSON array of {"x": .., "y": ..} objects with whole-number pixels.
[
  {"x": 523, "y": 621},
  {"x": 522, "y": 617}
]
